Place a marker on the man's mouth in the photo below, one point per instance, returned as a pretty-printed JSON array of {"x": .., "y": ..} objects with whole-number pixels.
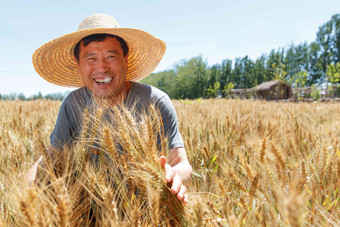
[{"x": 103, "y": 80}]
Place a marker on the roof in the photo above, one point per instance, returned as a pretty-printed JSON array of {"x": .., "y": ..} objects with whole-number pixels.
[
  {"x": 263, "y": 86},
  {"x": 267, "y": 85}
]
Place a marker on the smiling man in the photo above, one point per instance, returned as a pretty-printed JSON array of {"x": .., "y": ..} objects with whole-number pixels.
[
  {"x": 105, "y": 61},
  {"x": 102, "y": 64}
]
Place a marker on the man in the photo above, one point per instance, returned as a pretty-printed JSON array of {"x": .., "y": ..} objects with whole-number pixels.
[{"x": 106, "y": 61}]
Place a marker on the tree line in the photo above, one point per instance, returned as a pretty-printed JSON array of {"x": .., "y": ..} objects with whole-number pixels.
[
  {"x": 21, "y": 96},
  {"x": 298, "y": 65}
]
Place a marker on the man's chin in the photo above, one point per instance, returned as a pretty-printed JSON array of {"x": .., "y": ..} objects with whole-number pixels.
[{"x": 106, "y": 94}]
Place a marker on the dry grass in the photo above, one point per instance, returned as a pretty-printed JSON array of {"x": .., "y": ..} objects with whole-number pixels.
[{"x": 255, "y": 163}]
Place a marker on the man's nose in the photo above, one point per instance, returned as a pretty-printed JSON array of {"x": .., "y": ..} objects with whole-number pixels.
[{"x": 102, "y": 66}]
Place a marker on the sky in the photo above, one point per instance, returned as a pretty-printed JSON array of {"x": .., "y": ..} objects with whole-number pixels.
[{"x": 214, "y": 29}]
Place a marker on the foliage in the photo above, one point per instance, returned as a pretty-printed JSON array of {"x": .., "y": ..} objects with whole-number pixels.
[
  {"x": 227, "y": 88},
  {"x": 335, "y": 90},
  {"x": 279, "y": 72},
  {"x": 300, "y": 79},
  {"x": 333, "y": 73},
  {"x": 299, "y": 65},
  {"x": 21, "y": 96},
  {"x": 315, "y": 93},
  {"x": 213, "y": 92}
]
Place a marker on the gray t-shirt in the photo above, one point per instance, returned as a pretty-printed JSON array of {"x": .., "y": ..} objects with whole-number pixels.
[{"x": 140, "y": 97}]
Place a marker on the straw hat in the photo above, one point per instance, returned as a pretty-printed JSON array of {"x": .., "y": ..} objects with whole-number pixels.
[{"x": 55, "y": 61}]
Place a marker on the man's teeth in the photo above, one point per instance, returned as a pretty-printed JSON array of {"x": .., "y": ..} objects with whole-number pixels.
[{"x": 103, "y": 81}]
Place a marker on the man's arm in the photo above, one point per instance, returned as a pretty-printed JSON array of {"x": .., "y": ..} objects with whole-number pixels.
[{"x": 177, "y": 170}]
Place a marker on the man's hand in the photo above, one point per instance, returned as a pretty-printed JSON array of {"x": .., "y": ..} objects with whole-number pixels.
[
  {"x": 177, "y": 187},
  {"x": 32, "y": 172}
]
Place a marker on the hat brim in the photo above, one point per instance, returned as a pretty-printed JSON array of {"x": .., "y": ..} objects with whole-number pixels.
[{"x": 55, "y": 61}]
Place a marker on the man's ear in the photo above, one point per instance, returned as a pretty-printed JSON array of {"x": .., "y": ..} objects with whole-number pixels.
[
  {"x": 126, "y": 60},
  {"x": 77, "y": 65}
]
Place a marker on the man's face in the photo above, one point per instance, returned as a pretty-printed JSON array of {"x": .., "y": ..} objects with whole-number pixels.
[{"x": 103, "y": 68}]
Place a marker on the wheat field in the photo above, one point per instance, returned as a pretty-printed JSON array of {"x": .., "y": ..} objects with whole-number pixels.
[{"x": 255, "y": 163}]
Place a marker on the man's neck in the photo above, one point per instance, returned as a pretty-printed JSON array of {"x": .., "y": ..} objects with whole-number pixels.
[{"x": 115, "y": 99}]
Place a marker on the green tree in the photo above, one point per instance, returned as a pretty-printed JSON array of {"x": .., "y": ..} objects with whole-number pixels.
[
  {"x": 12, "y": 96},
  {"x": 336, "y": 36},
  {"x": 333, "y": 76},
  {"x": 37, "y": 96},
  {"x": 328, "y": 41},
  {"x": 165, "y": 80},
  {"x": 215, "y": 72},
  {"x": 21, "y": 96},
  {"x": 212, "y": 92},
  {"x": 247, "y": 76},
  {"x": 315, "y": 66},
  {"x": 275, "y": 57},
  {"x": 192, "y": 77},
  {"x": 300, "y": 79},
  {"x": 333, "y": 73},
  {"x": 296, "y": 61},
  {"x": 226, "y": 72},
  {"x": 227, "y": 88},
  {"x": 324, "y": 40},
  {"x": 236, "y": 74},
  {"x": 260, "y": 70},
  {"x": 279, "y": 72},
  {"x": 315, "y": 93}
]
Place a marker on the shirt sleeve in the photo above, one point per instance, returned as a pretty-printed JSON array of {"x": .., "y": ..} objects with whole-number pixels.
[
  {"x": 170, "y": 124},
  {"x": 63, "y": 132}
]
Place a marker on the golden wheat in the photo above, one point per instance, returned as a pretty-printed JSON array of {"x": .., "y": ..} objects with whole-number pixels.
[{"x": 255, "y": 163}]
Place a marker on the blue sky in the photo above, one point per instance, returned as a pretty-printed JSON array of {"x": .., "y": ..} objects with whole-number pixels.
[{"x": 216, "y": 29}]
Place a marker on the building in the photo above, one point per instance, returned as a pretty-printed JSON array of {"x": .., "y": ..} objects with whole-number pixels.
[{"x": 272, "y": 90}]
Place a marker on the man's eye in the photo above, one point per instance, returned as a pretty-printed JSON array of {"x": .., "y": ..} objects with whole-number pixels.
[
  {"x": 111, "y": 57},
  {"x": 90, "y": 59}
]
